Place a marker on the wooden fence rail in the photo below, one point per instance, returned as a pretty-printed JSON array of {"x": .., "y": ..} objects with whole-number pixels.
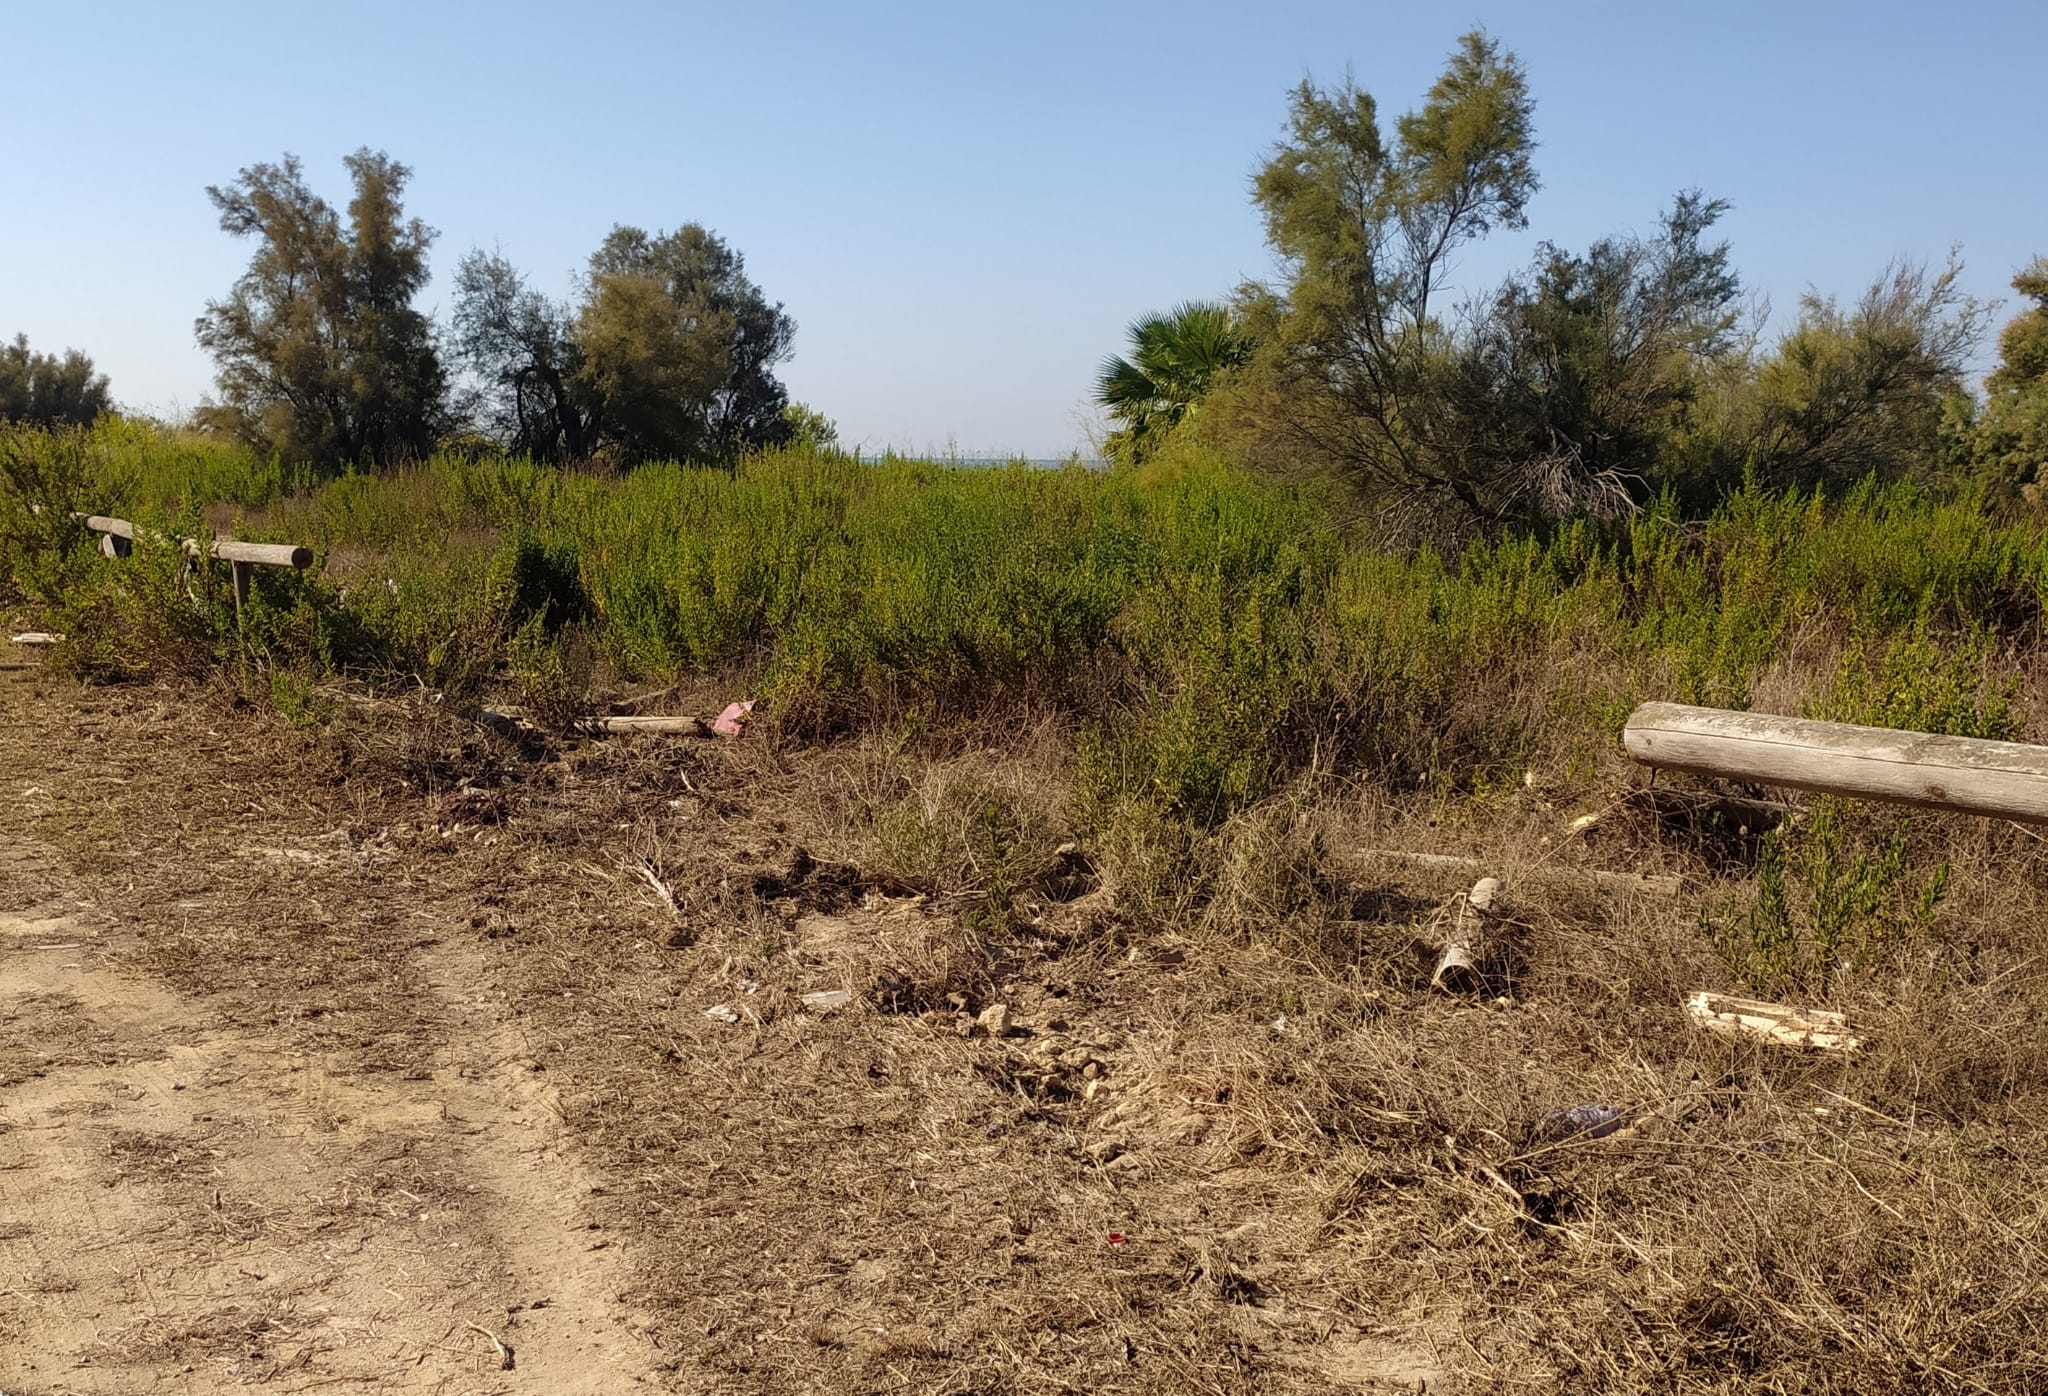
[
  {"x": 117, "y": 539},
  {"x": 2006, "y": 780}
]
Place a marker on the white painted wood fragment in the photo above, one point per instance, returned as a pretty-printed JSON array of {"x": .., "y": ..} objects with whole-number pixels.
[{"x": 1782, "y": 1023}]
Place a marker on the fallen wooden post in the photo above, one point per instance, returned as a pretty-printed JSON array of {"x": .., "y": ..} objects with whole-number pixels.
[
  {"x": 1639, "y": 884},
  {"x": 1774, "y": 1022},
  {"x": 2007, "y": 780},
  {"x": 687, "y": 726},
  {"x": 509, "y": 721}
]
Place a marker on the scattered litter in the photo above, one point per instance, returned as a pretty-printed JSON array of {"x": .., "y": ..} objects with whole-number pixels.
[
  {"x": 1581, "y": 1122},
  {"x": 38, "y": 637},
  {"x": 1116, "y": 1238},
  {"x": 733, "y": 720},
  {"x": 722, "y": 1013},
  {"x": 827, "y": 1000},
  {"x": 1775, "y": 1022}
]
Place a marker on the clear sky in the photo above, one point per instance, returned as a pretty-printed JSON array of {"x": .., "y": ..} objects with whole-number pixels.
[{"x": 963, "y": 204}]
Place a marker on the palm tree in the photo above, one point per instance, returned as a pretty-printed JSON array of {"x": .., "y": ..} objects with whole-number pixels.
[{"x": 1174, "y": 360}]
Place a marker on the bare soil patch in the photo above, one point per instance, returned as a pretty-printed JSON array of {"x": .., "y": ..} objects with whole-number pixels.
[{"x": 204, "y": 1185}]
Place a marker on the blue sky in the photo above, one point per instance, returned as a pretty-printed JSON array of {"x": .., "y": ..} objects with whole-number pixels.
[{"x": 964, "y": 204}]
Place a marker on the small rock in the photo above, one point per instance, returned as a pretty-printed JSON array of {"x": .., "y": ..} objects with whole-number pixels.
[
  {"x": 827, "y": 1000},
  {"x": 995, "y": 1019},
  {"x": 1091, "y": 1071}
]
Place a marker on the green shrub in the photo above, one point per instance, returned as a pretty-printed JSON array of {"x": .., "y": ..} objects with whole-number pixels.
[{"x": 1834, "y": 894}]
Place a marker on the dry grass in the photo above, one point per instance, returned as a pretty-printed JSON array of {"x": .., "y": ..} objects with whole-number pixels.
[{"x": 1231, "y": 1142}]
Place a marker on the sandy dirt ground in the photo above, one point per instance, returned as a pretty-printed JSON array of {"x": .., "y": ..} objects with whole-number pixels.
[
  {"x": 189, "y": 1205},
  {"x": 320, "y": 1073}
]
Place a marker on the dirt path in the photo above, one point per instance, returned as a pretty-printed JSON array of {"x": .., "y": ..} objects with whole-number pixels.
[{"x": 187, "y": 1205}]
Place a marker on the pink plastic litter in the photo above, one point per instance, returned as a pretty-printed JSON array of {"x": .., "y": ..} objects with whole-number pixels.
[{"x": 733, "y": 720}]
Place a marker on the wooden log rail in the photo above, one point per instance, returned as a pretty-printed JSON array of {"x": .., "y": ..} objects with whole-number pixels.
[
  {"x": 2005, "y": 780},
  {"x": 117, "y": 539},
  {"x": 226, "y": 549}
]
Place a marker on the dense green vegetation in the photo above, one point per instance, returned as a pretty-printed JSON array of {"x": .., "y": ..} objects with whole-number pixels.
[{"x": 1209, "y": 627}]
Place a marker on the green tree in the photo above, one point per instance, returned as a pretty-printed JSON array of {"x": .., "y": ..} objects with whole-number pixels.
[
  {"x": 1175, "y": 360},
  {"x": 48, "y": 391},
  {"x": 320, "y": 352},
  {"x": 1356, "y": 345},
  {"x": 679, "y": 347},
  {"x": 2009, "y": 440},
  {"x": 807, "y": 427},
  {"x": 523, "y": 360},
  {"x": 1570, "y": 389},
  {"x": 1865, "y": 390}
]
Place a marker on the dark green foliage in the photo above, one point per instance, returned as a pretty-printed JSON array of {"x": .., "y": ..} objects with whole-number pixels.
[
  {"x": 669, "y": 355},
  {"x": 1850, "y": 393},
  {"x": 2007, "y": 443},
  {"x": 44, "y": 390},
  {"x": 679, "y": 347},
  {"x": 1356, "y": 337},
  {"x": 520, "y": 350},
  {"x": 1570, "y": 389},
  {"x": 322, "y": 356}
]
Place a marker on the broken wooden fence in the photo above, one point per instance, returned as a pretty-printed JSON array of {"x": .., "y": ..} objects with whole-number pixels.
[{"x": 117, "y": 539}]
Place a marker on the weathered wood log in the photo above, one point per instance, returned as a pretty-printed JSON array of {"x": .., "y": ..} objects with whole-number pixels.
[
  {"x": 1639, "y": 884},
  {"x": 226, "y": 549},
  {"x": 2007, "y": 780},
  {"x": 510, "y": 721},
  {"x": 686, "y": 726},
  {"x": 1774, "y": 1022}
]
